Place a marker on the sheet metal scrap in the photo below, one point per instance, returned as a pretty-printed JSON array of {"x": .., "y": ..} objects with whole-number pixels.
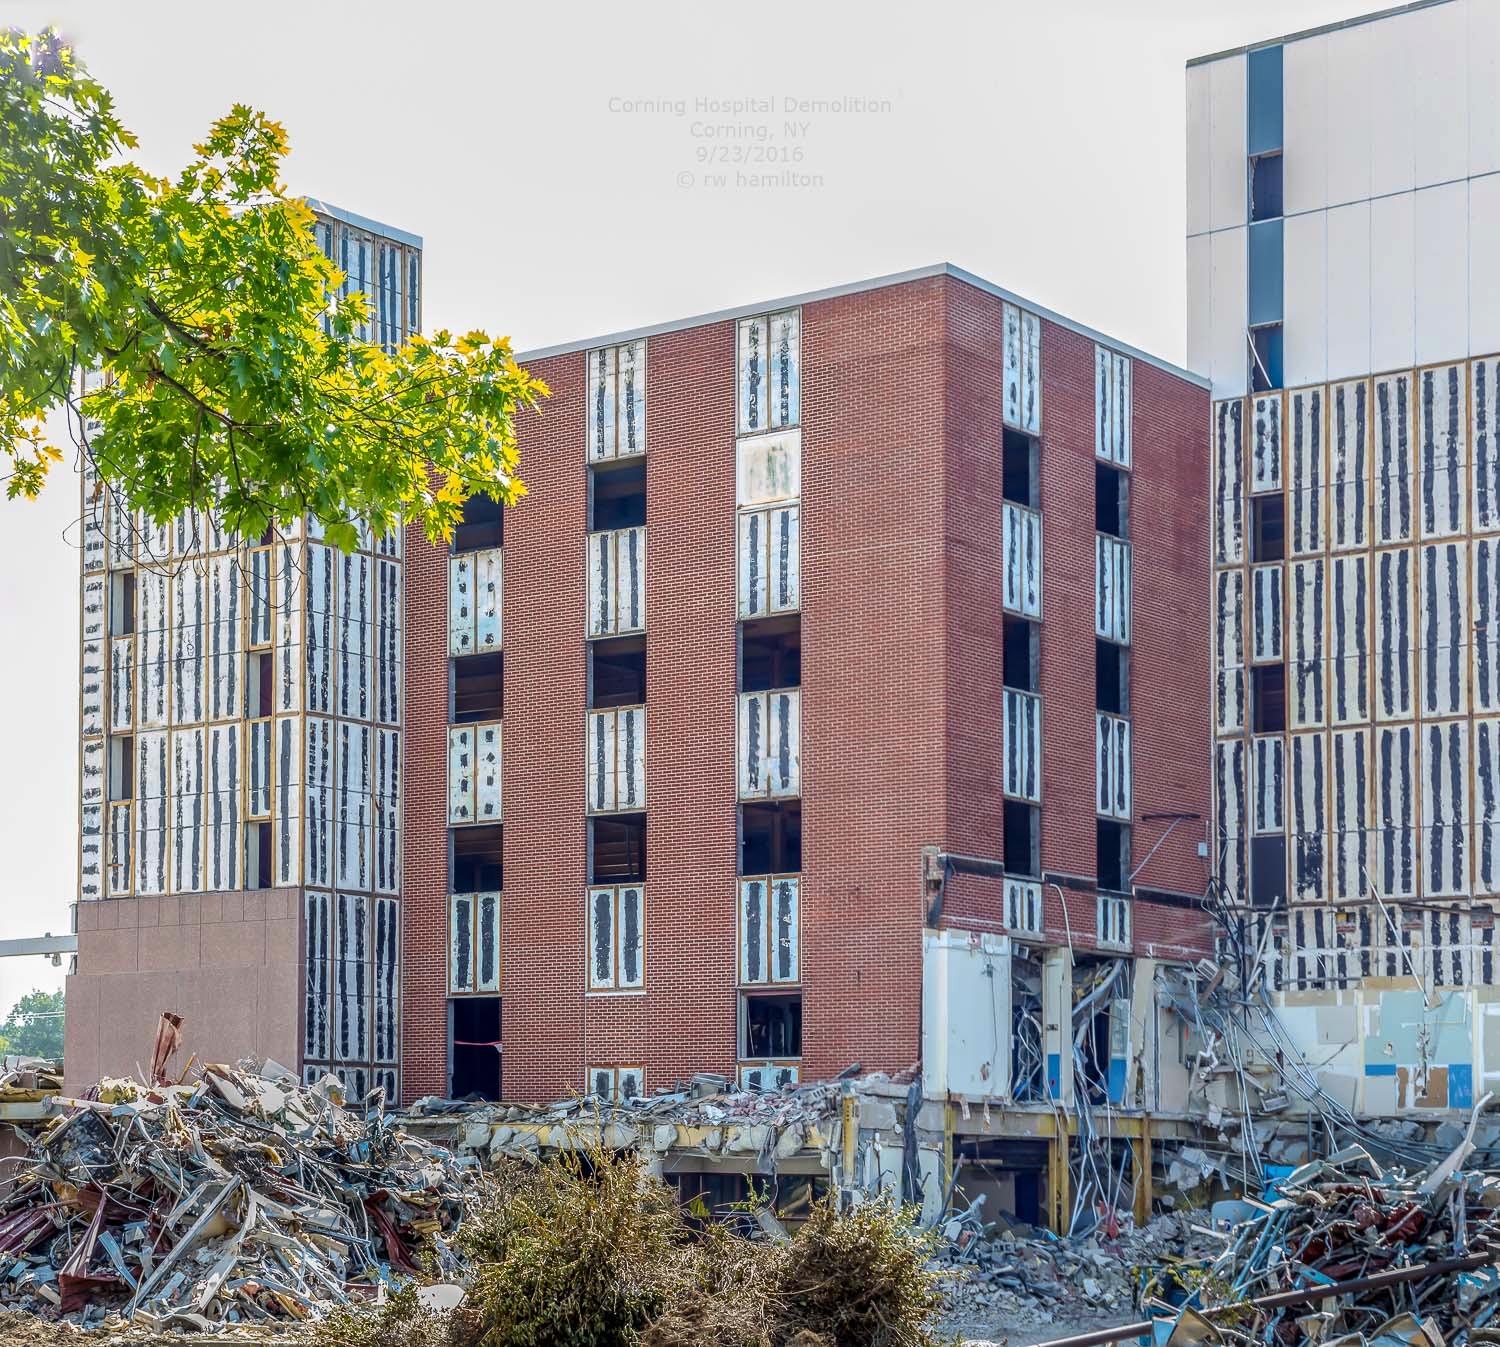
[
  {"x": 242, "y": 1197},
  {"x": 1343, "y": 1253}
]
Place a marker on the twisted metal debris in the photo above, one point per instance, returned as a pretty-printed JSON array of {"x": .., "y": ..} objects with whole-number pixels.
[
  {"x": 1340, "y": 1252},
  {"x": 243, "y": 1197}
]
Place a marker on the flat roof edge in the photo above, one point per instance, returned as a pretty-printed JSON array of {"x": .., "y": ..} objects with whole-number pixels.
[
  {"x": 1334, "y": 27},
  {"x": 855, "y": 288},
  {"x": 364, "y": 222}
]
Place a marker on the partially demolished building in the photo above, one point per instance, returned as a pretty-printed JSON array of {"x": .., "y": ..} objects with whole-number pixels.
[
  {"x": 1344, "y": 197},
  {"x": 787, "y": 724}
]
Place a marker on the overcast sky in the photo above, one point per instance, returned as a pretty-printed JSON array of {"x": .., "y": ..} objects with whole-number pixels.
[{"x": 567, "y": 183}]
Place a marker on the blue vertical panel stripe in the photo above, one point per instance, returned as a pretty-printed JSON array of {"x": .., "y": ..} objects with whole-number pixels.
[
  {"x": 1263, "y": 100},
  {"x": 1265, "y": 273}
]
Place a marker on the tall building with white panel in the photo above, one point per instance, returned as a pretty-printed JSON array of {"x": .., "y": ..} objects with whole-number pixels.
[
  {"x": 240, "y": 769},
  {"x": 1344, "y": 299}
]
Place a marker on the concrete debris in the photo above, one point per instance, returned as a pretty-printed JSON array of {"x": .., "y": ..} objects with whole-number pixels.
[
  {"x": 1339, "y": 1251},
  {"x": 1024, "y": 1278},
  {"x": 240, "y": 1198}
]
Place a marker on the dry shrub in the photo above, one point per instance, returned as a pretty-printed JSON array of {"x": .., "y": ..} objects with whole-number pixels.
[
  {"x": 859, "y": 1278},
  {"x": 583, "y": 1250},
  {"x": 590, "y": 1250}
]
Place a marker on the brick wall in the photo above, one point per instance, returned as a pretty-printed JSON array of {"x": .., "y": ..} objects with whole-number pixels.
[
  {"x": 872, "y": 666},
  {"x": 901, "y": 676}
]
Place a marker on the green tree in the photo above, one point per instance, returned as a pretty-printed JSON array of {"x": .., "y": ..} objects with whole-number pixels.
[
  {"x": 234, "y": 379},
  {"x": 35, "y": 1026}
]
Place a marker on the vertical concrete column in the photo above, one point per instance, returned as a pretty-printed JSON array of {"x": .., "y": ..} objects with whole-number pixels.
[
  {"x": 1057, "y": 1021},
  {"x": 1142, "y": 1089}
]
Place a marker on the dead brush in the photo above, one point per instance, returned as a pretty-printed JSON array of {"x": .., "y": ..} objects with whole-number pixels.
[
  {"x": 588, "y": 1249},
  {"x": 859, "y": 1278}
]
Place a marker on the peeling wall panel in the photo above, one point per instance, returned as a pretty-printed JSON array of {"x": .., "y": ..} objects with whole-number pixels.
[
  {"x": 119, "y": 531},
  {"x": 488, "y": 588},
  {"x": 352, "y": 827},
  {"x": 1229, "y": 483},
  {"x": 1021, "y": 571},
  {"x": 1308, "y": 821},
  {"x": 1112, "y": 589},
  {"x": 1307, "y": 600},
  {"x": 90, "y": 852},
  {"x": 487, "y": 761},
  {"x": 286, "y": 828},
  {"x": 602, "y": 418},
  {"x": 1112, "y": 766},
  {"x": 769, "y": 930},
  {"x": 152, "y": 609},
  {"x": 1023, "y": 745},
  {"x": 487, "y": 929},
  {"x": 1229, "y": 650},
  {"x": 1022, "y": 386},
  {"x": 602, "y": 950},
  {"x": 318, "y": 801},
  {"x": 1443, "y": 451},
  {"x": 617, "y": 582},
  {"x": 1349, "y": 465},
  {"x": 617, "y": 937},
  {"x": 770, "y": 372},
  {"x": 1487, "y": 806},
  {"x": 769, "y": 557},
  {"x": 1265, "y": 442},
  {"x": 1486, "y": 626},
  {"x": 387, "y": 979},
  {"x": 1445, "y": 809},
  {"x": 1443, "y": 628},
  {"x": 121, "y": 846},
  {"x": 1230, "y": 816},
  {"x": 225, "y": 843},
  {"x": 1484, "y": 432},
  {"x": 1350, "y": 778},
  {"x": 1268, "y": 801},
  {"x": 461, "y": 910},
  {"x": 1396, "y": 810},
  {"x": 354, "y": 634},
  {"x": 388, "y": 643},
  {"x": 617, "y": 759},
  {"x": 317, "y": 923},
  {"x": 461, "y": 774},
  {"x": 1349, "y": 636},
  {"x": 258, "y": 769},
  {"x": 187, "y": 811},
  {"x": 187, "y": 646},
  {"x": 353, "y": 999},
  {"x": 91, "y": 772},
  {"x": 1395, "y": 509},
  {"x": 258, "y": 598},
  {"x": 461, "y": 604},
  {"x": 225, "y": 671},
  {"x": 92, "y": 657},
  {"x": 768, "y": 469},
  {"x": 387, "y": 811},
  {"x": 784, "y": 369},
  {"x": 1112, "y": 409},
  {"x": 321, "y": 630},
  {"x": 121, "y": 684},
  {"x": 1395, "y": 635},
  {"x": 288, "y": 612},
  {"x": 93, "y": 511},
  {"x": 630, "y": 366},
  {"x": 153, "y": 775},
  {"x": 1265, "y": 614},
  {"x": 1307, "y": 525}
]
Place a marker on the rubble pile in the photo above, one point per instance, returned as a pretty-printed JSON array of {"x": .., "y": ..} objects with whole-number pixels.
[
  {"x": 708, "y": 1116},
  {"x": 1341, "y": 1249},
  {"x": 243, "y": 1197},
  {"x": 1024, "y": 1278}
]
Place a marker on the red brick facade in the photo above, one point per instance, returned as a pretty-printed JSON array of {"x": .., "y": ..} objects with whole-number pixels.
[{"x": 901, "y": 687}]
